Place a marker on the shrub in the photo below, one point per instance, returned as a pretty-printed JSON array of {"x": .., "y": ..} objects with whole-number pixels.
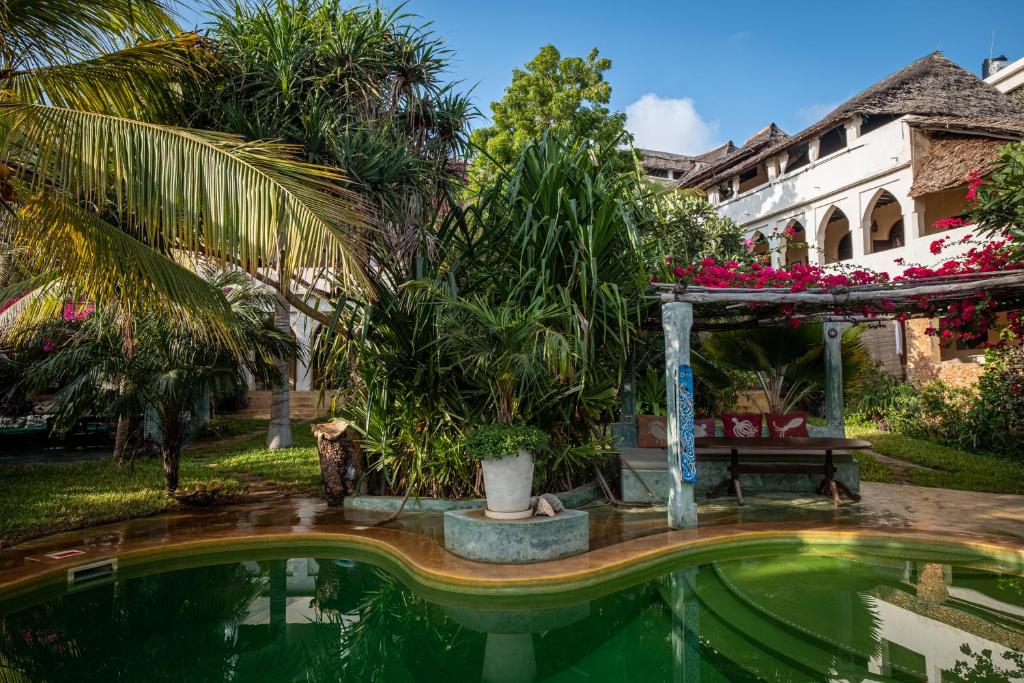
[
  {"x": 494, "y": 441},
  {"x": 989, "y": 417},
  {"x": 998, "y": 412}
]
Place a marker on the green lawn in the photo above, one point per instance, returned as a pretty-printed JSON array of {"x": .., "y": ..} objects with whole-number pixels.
[
  {"x": 951, "y": 468},
  {"x": 41, "y": 499}
]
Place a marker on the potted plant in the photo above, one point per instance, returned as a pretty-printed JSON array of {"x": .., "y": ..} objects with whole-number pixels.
[
  {"x": 514, "y": 363},
  {"x": 506, "y": 455}
]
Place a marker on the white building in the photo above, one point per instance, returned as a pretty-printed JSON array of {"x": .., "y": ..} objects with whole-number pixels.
[{"x": 865, "y": 185}]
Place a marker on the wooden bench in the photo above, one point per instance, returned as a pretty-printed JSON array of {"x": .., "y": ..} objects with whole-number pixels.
[{"x": 757, "y": 456}]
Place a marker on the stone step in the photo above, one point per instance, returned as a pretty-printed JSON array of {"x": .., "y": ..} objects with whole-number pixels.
[{"x": 303, "y": 405}]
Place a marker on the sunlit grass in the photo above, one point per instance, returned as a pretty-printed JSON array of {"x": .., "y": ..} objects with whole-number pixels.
[
  {"x": 951, "y": 468},
  {"x": 38, "y": 499}
]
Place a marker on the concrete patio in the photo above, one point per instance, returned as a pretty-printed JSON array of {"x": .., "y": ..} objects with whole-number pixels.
[{"x": 622, "y": 539}]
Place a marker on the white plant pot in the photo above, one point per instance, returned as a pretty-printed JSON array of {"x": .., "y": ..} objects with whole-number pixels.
[{"x": 507, "y": 483}]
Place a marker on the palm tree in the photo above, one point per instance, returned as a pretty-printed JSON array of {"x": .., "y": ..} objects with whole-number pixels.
[
  {"x": 514, "y": 355},
  {"x": 788, "y": 364},
  {"x": 150, "y": 362},
  {"x": 108, "y": 190}
]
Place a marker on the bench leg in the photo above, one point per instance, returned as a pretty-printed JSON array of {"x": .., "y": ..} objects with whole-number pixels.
[
  {"x": 846, "y": 490},
  {"x": 717, "y": 491},
  {"x": 834, "y": 490},
  {"x": 738, "y": 490}
]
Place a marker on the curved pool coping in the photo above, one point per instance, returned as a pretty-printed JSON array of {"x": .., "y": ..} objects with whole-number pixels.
[{"x": 450, "y": 580}]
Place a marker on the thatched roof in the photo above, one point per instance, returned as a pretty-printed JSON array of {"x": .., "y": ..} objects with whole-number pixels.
[
  {"x": 933, "y": 85},
  {"x": 667, "y": 161},
  {"x": 951, "y": 159},
  {"x": 769, "y": 134},
  {"x": 716, "y": 154}
]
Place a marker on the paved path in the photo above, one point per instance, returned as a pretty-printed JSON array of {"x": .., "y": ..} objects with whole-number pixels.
[{"x": 622, "y": 539}]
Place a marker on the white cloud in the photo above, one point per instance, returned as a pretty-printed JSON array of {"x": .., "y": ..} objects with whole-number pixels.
[
  {"x": 669, "y": 125},
  {"x": 815, "y": 112}
]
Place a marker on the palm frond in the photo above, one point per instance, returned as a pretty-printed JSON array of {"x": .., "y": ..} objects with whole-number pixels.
[
  {"x": 200, "y": 191},
  {"x": 39, "y": 32},
  {"x": 143, "y": 82},
  {"x": 97, "y": 261}
]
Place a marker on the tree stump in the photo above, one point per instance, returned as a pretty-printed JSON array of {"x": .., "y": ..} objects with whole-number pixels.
[{"x": 337, "y": 443}]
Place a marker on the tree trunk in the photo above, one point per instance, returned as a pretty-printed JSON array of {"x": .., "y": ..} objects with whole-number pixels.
[
  {"x": 172, "y": 460},
  {"x": 172, "y": 437},
  {"x": 338, "y": 447},
  {"x": 279, "y": 433},
  {"x": 121, "y": 437}
]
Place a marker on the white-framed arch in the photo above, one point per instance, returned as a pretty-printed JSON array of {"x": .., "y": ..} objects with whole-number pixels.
[
  {"x": 884, "y": 221},
  {"x": 835, "y": 235},
  {"x": 795, "y": 247}
]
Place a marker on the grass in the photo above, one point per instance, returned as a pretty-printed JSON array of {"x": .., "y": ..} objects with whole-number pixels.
[
  {"x": 41, "y": 499},
  {"x": 951, "y": 468},
  {"x": 871, "y": 469}
]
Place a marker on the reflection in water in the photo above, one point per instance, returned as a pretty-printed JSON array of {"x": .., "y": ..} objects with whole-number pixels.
[{"x": 794, "y": 617}]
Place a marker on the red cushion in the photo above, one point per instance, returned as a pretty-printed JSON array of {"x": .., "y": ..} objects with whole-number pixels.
[
  {"x": 703, "y": 426},
  {"x": 652, "y": 431},
  {"x": 742, "y": 425},
  {"x": 788, "y": 424}
]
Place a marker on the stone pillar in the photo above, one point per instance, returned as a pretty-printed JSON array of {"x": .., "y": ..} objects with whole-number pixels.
[
  {"x": 860, "y": 232},
  {"x": 853, "y": 130},
  {"x": 812, "y": 149},
  {"x": 677, "y": 321},
  {"x": 775, "y": 250},
  {"x": 735, "y": 185},
  {"x": 834, "y": 378},
  {"x": 772, "y": 168}
]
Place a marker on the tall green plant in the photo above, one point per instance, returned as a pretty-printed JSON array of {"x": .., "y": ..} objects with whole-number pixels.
[
  {"x": 357, "y": 88},
  {"x": 516, "y": 358}
]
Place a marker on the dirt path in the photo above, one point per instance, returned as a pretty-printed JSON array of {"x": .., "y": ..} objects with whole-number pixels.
[{"x": 899, "y": 467}]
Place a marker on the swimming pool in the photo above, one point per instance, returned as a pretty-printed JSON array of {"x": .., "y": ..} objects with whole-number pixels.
[{"x": 759, "y": 614}]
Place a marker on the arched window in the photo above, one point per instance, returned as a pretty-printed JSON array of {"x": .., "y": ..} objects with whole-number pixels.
[
  {"x": 885, "y": 218},
  {"x": 837, "y": 243},
  {"x": 796, "y": 243}
]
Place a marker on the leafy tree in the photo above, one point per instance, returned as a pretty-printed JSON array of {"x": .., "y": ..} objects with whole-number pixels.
[
  {"x": 997, "y": 205},
  {"x": 149, "y": 361},
  {"x": 683, "y": 227},
  {"x": 567, "y": 95},
  {"x": 359, "y": 89}
]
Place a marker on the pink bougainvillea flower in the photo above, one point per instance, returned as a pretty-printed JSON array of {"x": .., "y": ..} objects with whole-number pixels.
[
  {"x": 949, "y": 223},
  {"x": 48, "y": 345}
]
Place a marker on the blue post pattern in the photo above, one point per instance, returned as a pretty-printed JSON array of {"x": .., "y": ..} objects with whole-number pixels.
[{"x": 684, "y": 408}]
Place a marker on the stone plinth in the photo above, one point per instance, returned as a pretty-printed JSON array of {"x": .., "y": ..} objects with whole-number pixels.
[{"x": 536, "y": 539}]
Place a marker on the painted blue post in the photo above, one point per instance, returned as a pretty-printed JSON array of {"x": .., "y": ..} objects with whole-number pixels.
[
  {"x": 676, "y": 321},
  {"x": 834, "y": 378}
]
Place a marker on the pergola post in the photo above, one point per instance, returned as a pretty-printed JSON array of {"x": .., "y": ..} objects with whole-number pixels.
[
  {"x": 834, "y": 378},
  {"x": 677, "y": 321}
]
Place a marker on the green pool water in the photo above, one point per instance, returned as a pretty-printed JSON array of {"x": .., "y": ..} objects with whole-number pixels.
[{"x": 811, "y": 615}]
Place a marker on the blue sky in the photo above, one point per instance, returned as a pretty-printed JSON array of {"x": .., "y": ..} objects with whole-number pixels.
[{"x": 714, "y": 71}]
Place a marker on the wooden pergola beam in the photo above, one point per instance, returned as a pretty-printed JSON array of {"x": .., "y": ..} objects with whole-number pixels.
[{"x": 866, "y": 294}]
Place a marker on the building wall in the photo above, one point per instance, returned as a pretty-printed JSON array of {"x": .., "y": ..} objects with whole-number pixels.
[
  {"x": 852, "y": 180},
  {"x": 925, "y": 363},
  {"x": 884, "y": 344}
]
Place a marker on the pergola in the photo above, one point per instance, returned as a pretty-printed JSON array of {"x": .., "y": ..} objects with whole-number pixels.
[{"x": 686, "y": 308}]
